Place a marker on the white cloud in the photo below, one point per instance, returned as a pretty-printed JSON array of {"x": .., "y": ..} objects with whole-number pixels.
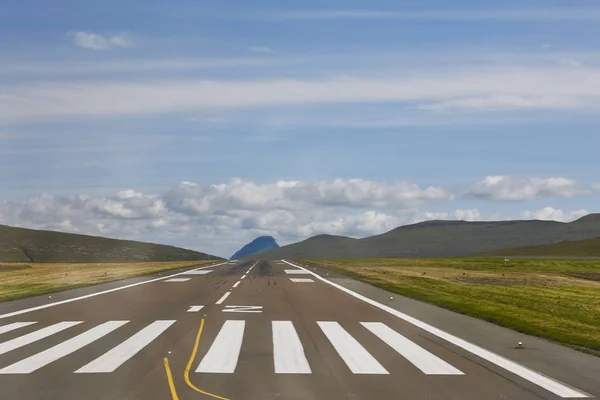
[
  {"x": 219, "y": 219},
  {"x": 596, "y": 186},
  {"x": 95, "y": 41},
  {"x": 443, "y": 15},
  {"x": 553, "y": 214},
  {"x": 487, "y": 89},
  {"x": 260, "y": 49},
  {"x": 519, "y": 188}
]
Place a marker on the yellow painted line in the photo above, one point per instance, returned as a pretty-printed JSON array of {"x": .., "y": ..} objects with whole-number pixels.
[
  {"x": 170, "y": 379},
  {"x": 186, "y": 373}
]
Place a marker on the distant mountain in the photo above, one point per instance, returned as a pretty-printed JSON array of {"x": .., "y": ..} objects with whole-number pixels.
[
  {"x": 28, "y": 245},
  {"x": 258, "y": 245},
  {"x": 577, "y": 248},
  {"x": 442, "y": 239}
]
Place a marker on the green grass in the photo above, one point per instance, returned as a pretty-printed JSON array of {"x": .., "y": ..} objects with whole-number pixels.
[
  {"x": 44, "y": 278},
  {"x": 577, "y": 248},
  {"x": 536, "y": 297}
]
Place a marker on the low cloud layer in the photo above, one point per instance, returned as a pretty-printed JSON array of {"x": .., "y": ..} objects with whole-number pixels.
[
  {"x": 218, "y": 219},
  {"x": 520, "y": 188}
]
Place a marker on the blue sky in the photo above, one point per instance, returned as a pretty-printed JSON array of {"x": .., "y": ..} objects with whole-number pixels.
[{"x": 174, "y": 123}]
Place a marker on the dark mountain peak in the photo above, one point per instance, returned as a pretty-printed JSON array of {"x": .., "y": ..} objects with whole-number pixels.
[{"x": 258, "y": 245}]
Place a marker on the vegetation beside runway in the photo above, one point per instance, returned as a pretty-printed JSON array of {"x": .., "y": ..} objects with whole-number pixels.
[
  {"x": 20, "y": 280},
  {"x": 554, "y": 299}
]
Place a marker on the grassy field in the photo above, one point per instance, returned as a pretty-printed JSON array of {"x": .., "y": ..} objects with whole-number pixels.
[
  {"x": 578, "y": 248},
  {"x": 19, "y": 280},
  {"x": 554, "y": 299}
]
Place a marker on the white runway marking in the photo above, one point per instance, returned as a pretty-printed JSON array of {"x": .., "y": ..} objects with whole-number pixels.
[
  {"x": 222, "y": 299},
  {"x": 87, "y": 296},
  {"x": 178, "y": 280},
  {"x": 243, "y": 276},
  {"x": 195, "y": 308},
  {"x": 296, "y": 272},
  {"x": 113, "y": 359},
  {"x": 243, "y": 309},
  {"x": 530, "y": 375},
  {"x": 15, "y": 325},
  {"x": 356, "y": 357},
  {"x": 418, "y": 356},
  {"x": 63, "y": 349},
  {"x": 288, "y": 353},
  {"x": 236, "y": 284},
  {"x": 301, "y": 280},
  {"x": 35, "y": 336},
  {"x": 223, "y": 355},
  {"x": 201, "y": 272}
]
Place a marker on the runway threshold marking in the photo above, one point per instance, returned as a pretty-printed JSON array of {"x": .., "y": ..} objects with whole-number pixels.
[
  {"x": 170, "y": 380},
  {"x": 222, "y": 356},
  {"x": 243, "y": 309},
  {"x": 195, "y": 308},
  {"x": 288, "y": 352},
  {"x": 36, "y": 335},
  {"x": 418, "y": 356},
  {"x": 15, "y": 325},
  {"x": 188, "y": 367},
  {"x": 87, "y": 296},
  {"x": 117, "y": 356},
  {"x": 530, "y": 375},
  {"x": 67, "y": 347},
  {"x": 178, "y": 280}
]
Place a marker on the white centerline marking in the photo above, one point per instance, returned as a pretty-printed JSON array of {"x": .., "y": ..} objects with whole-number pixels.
[
  {"x": 288, "y": 353},
  {"x": 65, "y": 348},
  {"x": 178, "y": 280},
  {"x": 532, "y": 376},
  {"x": 222, "y": 299},
  {"x": 203, "y": 272},
  {"x": 418, "y": 356},
  {"x": 195, "y": 308},
  {"x": 296, "y": 272},
  {"x": 356, "y": 357},
  {"x": 14, "y": 325},
  {"x": 243, "y": 276},
  {"x": 35, "y": 336},
  {"x": 243, "y": 309},
  {"x": 87, "y": 296},
  {"x": 236, "y": 284},
  {"x": 114, "y": 358},
  {"x": 301, "y": 280},
  {"x": 223, "y": 355}
]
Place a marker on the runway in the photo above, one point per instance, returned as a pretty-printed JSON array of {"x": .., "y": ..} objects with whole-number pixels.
[{"x": 247, "y": 331}]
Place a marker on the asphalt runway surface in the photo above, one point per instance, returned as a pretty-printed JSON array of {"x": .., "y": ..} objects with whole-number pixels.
[{"x": 246, "y": 331}]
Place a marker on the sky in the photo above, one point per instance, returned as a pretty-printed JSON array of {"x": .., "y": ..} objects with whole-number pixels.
[{"x": 205, "y": 124}]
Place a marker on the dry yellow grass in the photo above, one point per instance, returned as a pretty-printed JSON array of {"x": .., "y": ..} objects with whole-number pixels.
[{"x": 30, "y": 279}]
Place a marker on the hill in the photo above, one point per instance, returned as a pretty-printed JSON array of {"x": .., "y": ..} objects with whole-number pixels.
[
  {"x": 28, "y": 245},
  {"x": 258, "y": 245},
  {"x": 442, "y": 239},
  {"x": 577, "y": 248}
]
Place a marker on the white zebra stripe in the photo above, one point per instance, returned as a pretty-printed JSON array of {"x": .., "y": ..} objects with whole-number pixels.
[
  {"x": 15, "y": 325},
  {"x": 35, "y": 336},
  {"x": 61, "y": 350},
  {"x": 418, "y": 356},
  {"x": 222, "y": 357},
  {"x": 356, "y": 357},
  {"x": 113, "y": 359},
  {"x": 288, "y": 353}
]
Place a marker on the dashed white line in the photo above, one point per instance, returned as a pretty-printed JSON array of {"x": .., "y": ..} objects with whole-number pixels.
[
  {"x": 243, "y": 276},
  {"x": 195, "y": 308},
  {"x": 87, "y": 296},
  {"x": 236, "y": 284},
  {"x": 301, "y": 280},
  {"x": 178, "y": 280},
  {"x": 222, "y": 299}
]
